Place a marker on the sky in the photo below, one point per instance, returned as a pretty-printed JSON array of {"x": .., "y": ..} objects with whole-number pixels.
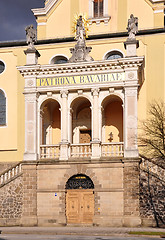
[{"x": 15, "y": 15}]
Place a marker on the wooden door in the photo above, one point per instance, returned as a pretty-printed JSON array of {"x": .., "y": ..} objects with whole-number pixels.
[
  {"x": 80, "y": 206},
  {"x": 85, "y": 136}
]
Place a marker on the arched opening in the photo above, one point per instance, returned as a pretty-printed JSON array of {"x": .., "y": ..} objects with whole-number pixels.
[
  {"x": 50, "y": 129},
  {"x": 80, "y": 199},
  {"x": 81, "y": 121},
  {"x": 2, "y": 108},
  {"x": 112, "y": 127},
  {"x": 79, "y": 181},
  {"x": 51, "y": 124},
  {"x": 112, "y": 119},
  {"x": 81, "y": 133},
  {"x": 115, "y": 54},
  {"x": 60, "y": 59}
]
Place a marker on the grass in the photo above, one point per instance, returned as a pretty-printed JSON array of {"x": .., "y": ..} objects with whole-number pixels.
[{"x": 148, "y": 233}]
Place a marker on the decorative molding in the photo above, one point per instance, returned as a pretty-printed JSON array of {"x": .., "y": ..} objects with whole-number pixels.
[
  {"x": 95, "y": 91},
  {"x": 99, "y": 20},
  {"x": 64, "y": 93},
  {"x": 85, "y": 67},
  {"x": 46, "y": 9}
]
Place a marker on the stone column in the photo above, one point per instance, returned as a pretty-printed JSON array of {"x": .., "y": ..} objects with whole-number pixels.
[
  {"x": 31, "y": 101},
  {"x": 29, "y": 209},
  {"x": 96, "y": 148},
  {"x": 130, "y": 122},
  {"x": 64, "y": 126}
]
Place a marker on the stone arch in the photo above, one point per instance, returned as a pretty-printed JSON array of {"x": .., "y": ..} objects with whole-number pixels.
[
  {"x": 79, "y": 181},
  {"x": 43, "y": 101},
  {"x": 79, "y": 169},
  {"x": 75, "y": 98},
  {"x": 75, "y": 170}
]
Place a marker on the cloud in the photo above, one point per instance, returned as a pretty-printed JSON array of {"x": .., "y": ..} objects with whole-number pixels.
[{"x": 15, "y": 15}]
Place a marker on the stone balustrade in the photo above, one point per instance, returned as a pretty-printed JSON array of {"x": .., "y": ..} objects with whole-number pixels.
[
  {"x": 82, "y": 150},
  {"x": 49, "y": 151},
  {"x": 112, "y": 149},
  {"x": 10, "y": 174}
]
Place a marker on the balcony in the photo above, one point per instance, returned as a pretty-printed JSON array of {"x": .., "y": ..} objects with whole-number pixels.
[{"x": 82, "y": 150}]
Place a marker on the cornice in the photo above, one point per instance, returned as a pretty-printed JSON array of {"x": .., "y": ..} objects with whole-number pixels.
[
  {"x": 46, "y": 9},
  {"x": 117, "y": 65}
]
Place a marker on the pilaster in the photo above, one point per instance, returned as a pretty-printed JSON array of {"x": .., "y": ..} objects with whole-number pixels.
[
  {"x": 130, "y": 122},
  {"x": 96, "y": 144},
  {"x": 31, "y": 101},
  {"x": 64, "y": 126}
]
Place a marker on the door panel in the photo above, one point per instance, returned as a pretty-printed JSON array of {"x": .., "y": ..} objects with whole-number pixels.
[
  {"x": 72, "y": 207},
  {"x": 80, "y": 206},
  {"x": 85, "y": 136},
  {"x": 88, "y": 207}
]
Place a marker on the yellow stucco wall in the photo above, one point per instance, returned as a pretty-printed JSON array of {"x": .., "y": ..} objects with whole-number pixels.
[
  {"x": 59, "y": 19},
  {"x": 58, "y": 24}
]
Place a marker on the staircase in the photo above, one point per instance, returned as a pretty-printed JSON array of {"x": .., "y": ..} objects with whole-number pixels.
[
  {"x": 153, "y": 169},
  {"x": 10, "y": 174}
]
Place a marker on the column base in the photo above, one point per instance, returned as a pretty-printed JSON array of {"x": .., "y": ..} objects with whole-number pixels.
[
  {"x": 131, "y": 153},
  {"x": 30, "y": 157},
  {"x": 64, "y": 153},
  {"x": 96, "y": 149}
]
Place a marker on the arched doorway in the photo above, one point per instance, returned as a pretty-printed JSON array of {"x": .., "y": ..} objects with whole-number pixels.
[{"x": 80, "y": 200}]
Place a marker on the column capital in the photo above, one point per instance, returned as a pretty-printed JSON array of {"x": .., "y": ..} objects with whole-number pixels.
[
  {"x": 130, "y": 91},
  {"x": 64, "y": 93},
  {"x": 95, "y": 91}
]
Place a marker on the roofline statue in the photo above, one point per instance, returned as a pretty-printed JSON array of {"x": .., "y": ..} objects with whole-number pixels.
[
  {"x": 132, "y": 27},
  {"x": 31, "y": 36},
  {"x": 80, "y": 53}
]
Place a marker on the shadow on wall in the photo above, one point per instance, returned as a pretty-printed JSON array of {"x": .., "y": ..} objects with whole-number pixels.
[{"x": 152, "y": 198}]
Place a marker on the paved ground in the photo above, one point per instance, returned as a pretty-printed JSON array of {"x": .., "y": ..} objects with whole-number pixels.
[
  {"x": 72, "y": 231},
  {"x": 69, "y": 237}
]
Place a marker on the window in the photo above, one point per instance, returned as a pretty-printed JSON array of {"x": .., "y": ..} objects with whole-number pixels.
[
  {"x": 98, "y": 12},
  {"x": 98, "y": 8},
  {"x": 2, "y": 67},
  {"x": 113, "y": 55},
  {"x": 2, "y": 108},
  {"x": 59, "y": 60}
]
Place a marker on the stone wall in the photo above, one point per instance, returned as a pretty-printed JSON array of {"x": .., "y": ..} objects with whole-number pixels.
[
  {"x": 131, "y": 193},
  {"x": 152, "y": 199},
  {"x": 29, "y": 211},
  {"x": 11, "y": 196}
]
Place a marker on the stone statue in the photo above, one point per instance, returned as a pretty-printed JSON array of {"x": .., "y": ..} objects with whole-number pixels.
[
  {"x": 80, "y": 29},
  {"x": 132, "y": 27},
  {"x": 31, "y": 36},
  {"x": 80, "y": 53}
]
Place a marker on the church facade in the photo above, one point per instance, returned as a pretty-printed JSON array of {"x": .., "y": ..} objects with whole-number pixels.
[{"x": 71, "y": 103}]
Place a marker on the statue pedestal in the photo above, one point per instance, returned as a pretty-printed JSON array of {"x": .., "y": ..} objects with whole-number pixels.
[
  {"x": 80, "y": 53},
  {"x": 131, "y": 45},
  {"x": 32, "y": 56}
]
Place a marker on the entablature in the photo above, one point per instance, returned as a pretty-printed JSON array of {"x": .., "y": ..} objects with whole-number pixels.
[
  {"x": 103, "y": 74},
  {"x": 83, "y": 68}
]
